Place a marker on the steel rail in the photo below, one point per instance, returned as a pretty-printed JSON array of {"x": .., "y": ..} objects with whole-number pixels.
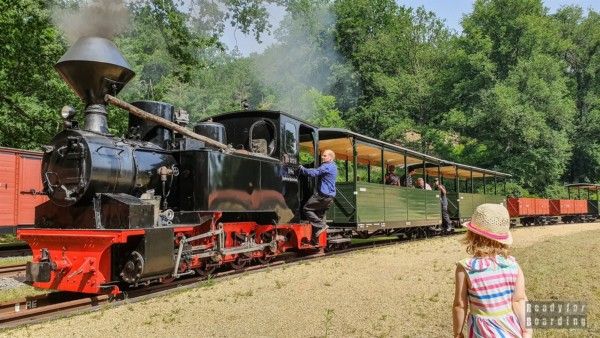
[{"x": 12, "y": 270}]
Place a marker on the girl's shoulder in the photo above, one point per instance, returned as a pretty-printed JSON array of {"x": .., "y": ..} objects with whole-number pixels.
[{"x": 473, "y": 264}]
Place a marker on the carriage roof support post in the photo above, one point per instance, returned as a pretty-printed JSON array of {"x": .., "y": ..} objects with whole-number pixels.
[
  {"x": 369, "y": 171},
  {"x": 424, "y": 173},
  {"x": 588, "y": 191},
  {"x": 346, "y": 167},
  {"x": 354, "y": 159},
  {"x": 569, "y": 192},
  {"x": 578, "y": 193},
  {"x": 484, "y": 184},
  {"x": 383, "y": 168},
  {"x": 405, "y": 170},
  {"x": 495, "y": 185},
  {"x": 439, "y": 175},
  {"x": 456, "y": 180},
  {"x": 471, "y": 181}
]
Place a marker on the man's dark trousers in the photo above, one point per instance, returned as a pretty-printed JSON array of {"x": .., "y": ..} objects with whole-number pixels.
[
  {"x": 315, "y": 209},
  {"x": 446, "y": 222}
]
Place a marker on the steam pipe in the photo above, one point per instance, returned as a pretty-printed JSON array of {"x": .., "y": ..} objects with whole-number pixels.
[{"x": 162, "y": 122}]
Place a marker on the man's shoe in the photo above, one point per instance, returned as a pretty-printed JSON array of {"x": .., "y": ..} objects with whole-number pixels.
[{"x": 318, "y": 233}]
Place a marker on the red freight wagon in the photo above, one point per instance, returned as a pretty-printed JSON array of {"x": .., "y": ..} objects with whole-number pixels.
[
  {"x": 568, "y": 207},
  {"x": 19, "y": 177},
  {"x": 542, "y": 206},
  {"x": 518, "y": 207},
  {"x": 580, "y": 206}
]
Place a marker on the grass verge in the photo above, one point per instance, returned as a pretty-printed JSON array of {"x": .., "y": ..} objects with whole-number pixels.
[{"x": 565, "y": 269}]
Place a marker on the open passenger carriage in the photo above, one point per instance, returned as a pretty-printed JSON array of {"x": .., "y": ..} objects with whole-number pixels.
[
  {"x": 366, "y": 205},
  {"x": 589, "y": 192}
]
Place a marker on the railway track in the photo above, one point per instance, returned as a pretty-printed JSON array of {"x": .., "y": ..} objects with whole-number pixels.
[
  {"x": 12, "y": 270},
  {"x": 54, "y": 305}
]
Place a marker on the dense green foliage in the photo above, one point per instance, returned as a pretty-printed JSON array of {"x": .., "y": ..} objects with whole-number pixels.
[{"x": 517, "y": 90}]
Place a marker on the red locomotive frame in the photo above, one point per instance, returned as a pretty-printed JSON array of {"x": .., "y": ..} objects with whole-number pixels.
[{"x": 80, "y": 260}]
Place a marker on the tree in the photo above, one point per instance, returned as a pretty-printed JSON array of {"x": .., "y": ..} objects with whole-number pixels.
[
  {"x": 511, "y": 92},
  {"x": 525, "y": 122},
  {"x": 31, "y": 92},
  {"x": 400, "y": 57},
  {"x": 583, "y": 59}
]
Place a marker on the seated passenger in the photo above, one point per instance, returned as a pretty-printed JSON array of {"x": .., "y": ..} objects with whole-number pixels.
[
  {"x": 406, "y": 180},
  {"x": 421, "y": 184},
  {"x": 390, "y": 177}
]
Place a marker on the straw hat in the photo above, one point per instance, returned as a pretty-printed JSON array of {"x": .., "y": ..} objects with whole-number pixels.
[{"x": 491, "y": 221}]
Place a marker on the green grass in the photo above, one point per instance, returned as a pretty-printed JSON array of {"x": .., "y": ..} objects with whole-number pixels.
[
  {"x": 565, "y": 269},
  {"x": 14, "y": 260},
  {"x": 8, "y": 238},
  {"x": 373, "y": 239},
  {"x": 20, "y": 292}
]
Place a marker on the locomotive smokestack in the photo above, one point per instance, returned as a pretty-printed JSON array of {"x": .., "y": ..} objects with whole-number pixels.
[{"x": 94, "y": 67}]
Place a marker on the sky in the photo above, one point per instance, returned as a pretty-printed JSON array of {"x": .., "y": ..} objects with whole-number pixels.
[{"x": 451, "y": 11}]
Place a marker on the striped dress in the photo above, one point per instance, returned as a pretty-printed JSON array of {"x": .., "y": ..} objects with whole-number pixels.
[{"x": 491, "y": 286}]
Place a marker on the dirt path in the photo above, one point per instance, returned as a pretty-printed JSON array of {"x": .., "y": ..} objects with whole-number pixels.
[{"x": 404, "y": 290}]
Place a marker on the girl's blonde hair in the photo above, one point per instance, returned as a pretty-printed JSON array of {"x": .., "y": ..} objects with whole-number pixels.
[{"x": 480, "y": 246}]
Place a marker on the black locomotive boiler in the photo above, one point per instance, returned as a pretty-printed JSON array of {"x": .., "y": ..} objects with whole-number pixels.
[{"x": 163, "y": 201}]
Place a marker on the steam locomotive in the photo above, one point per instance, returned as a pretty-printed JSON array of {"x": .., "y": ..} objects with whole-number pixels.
[{"x": 164, "y": 201}]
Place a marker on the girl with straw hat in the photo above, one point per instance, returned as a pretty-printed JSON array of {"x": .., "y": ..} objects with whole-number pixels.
[{"x": 490, "y": 282}]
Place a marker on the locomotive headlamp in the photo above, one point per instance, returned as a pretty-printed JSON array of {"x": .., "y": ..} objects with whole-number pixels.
[{"x": 67, "y": 112}]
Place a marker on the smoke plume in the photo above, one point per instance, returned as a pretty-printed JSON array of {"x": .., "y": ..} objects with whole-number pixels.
[
  {"x": 102, "y": 18},
  {"x": 304, "y": 61}
]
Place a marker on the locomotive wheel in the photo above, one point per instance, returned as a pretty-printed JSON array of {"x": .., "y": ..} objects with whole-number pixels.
[
  {"x": 133, "y": 268},
  {"x": 239, "y": 263},
  {"x": 167, "y": 280},
  {"x": 265, "y": 259},
  {"x": 363, "y": 234},
  {"x": 205, "y": 270}
]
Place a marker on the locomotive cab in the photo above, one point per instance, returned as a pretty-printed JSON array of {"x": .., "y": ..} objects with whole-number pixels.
[{"x": 267, "y": 180}]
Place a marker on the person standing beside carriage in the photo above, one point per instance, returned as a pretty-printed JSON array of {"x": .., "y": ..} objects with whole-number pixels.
[
  {"x": 319, "y": 202},
  {"x": 446, "y": 222},
  {"x": 406, "y": 180}
]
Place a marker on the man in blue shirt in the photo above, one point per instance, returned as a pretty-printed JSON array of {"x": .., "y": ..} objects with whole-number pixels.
[{"x": 318, "y": 203}]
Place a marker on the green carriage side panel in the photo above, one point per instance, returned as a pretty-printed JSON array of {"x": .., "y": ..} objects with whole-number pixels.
[
  {"x": 465, "y": 205},
  {"x": 370, "y": 202},
  {"x": 433, "y": 207},
  {"x": 343, "y": 209},
  {"x": 469, "y": 202},
  {"x": 499, "y": 199},
  {"x": 396, "y": 209},
  {"x": 415, "y": 203}
]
